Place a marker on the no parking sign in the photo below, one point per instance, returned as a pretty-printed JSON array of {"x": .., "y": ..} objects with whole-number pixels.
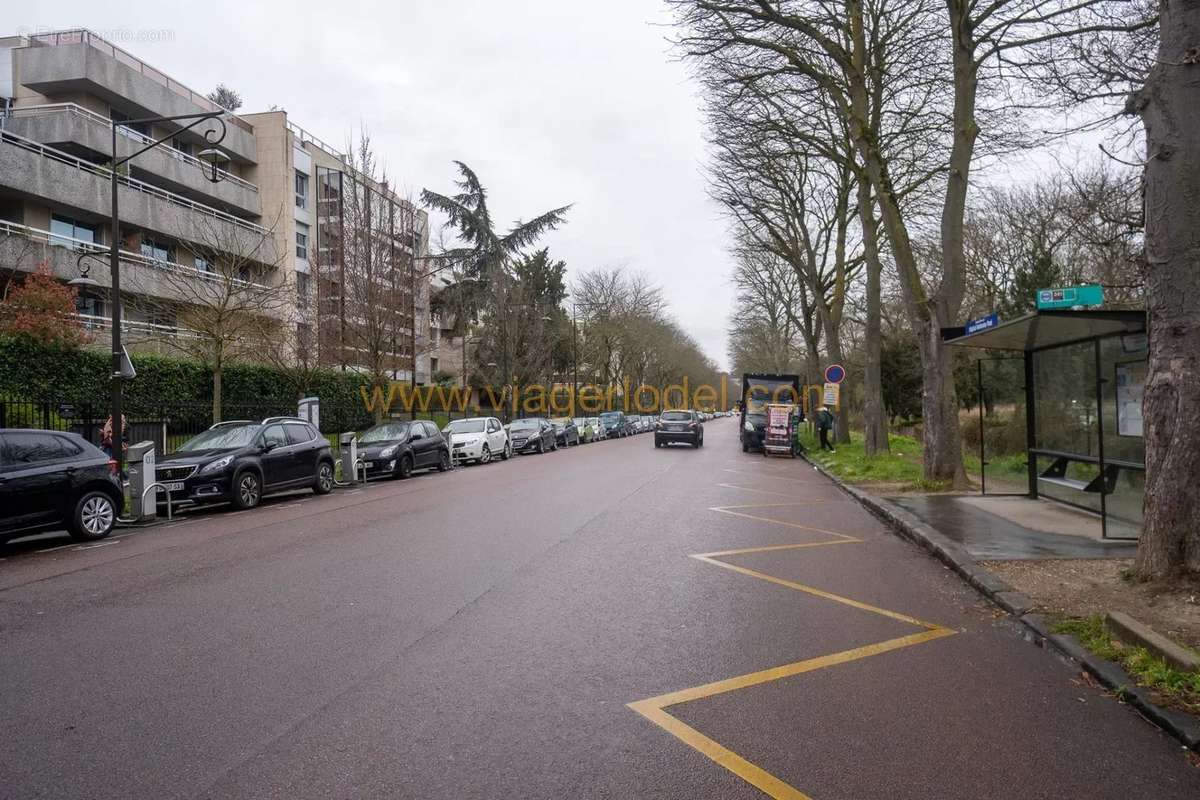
[{"x": 835, "y": 373}]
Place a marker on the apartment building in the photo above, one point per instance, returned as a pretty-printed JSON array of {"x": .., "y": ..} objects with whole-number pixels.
[{"x": 181, "y": 234}]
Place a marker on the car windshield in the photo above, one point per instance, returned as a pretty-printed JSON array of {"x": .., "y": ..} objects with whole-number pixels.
[
  {"x": 465, "y": 426},
  {"x": 610, "y": 416},
  {"x": 522, "y": 424},
  {"x": 761, "y": 392},
  {"x": 226, "y": 437},
  {"x": 676, "y": 416},
  {"x": 580, "y": 422},
  {"x": 387, "y": 432}
]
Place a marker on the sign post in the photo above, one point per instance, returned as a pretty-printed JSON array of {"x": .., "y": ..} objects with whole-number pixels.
[{"x": 1091, "y": 294}]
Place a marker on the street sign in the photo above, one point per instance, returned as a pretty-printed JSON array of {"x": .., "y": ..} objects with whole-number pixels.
[
  {"x": 983, "y": 323},
  {"x": 835, "y": 373},
  {"x": 833, "y": 393},
  {"x": 1091, "y": 294}
]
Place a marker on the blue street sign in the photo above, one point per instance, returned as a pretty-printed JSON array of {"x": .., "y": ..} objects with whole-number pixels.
[
  {"x": 835, "y": 373},
  {"x": 983, "y": 323}
]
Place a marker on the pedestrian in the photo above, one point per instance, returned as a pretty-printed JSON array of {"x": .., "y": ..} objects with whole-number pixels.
[
  {"x": 106, "y": 436},
  {"x": 824, "y": 425}
]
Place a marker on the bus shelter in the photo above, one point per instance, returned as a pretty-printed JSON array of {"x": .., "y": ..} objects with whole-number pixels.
[{"x": 1059, "y": 398}]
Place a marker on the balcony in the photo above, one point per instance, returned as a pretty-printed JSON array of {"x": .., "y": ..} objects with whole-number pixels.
[
  {"x": 80, "y": 61},
  {"x": 60, "y": 124},
  {"x": 61, "y": 179},
  {"x": 24, "y": 248}
]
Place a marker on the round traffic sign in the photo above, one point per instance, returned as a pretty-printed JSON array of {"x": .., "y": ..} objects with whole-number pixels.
[{"x": 835, "y": 373}]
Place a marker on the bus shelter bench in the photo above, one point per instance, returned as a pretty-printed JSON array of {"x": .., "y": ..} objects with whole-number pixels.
[{"x": 1104, "y": 483}]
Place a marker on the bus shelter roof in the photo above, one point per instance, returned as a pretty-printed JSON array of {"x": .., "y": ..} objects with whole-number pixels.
[{"x": 1043, "y": 329}]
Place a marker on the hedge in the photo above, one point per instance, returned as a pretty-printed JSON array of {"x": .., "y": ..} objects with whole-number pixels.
[{"x": 33, "y": 372}]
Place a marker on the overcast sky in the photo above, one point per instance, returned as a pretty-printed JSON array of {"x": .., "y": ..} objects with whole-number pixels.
[{"x": 550, "y": 101}]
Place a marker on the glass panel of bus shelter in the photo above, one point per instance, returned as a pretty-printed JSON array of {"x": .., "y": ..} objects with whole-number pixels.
[
  {"x": 1002, "y": 425},
  {"x": 1067, "y": 420},
  {"x": 1123, "y": 372}
]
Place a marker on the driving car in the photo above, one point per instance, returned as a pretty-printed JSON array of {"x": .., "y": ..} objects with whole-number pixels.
[
  {"x": 478, "y": 439},
  {"x": 616, "y": 424},
  {"x": 532, "y": 435},
  {"x": 51, "y": 480},
  {"x": 396, "y": 448},
  {"x": 565, "y": 431},
  {"x": 680, "y": 425},
  {"x": 241, "y": 461},
  {"x": 587, "y": 432}
]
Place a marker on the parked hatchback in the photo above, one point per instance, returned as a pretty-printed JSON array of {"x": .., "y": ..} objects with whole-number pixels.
[
  {"x": 51, "y": 480},
  {"x": 565, "y": 431},
  {"x": 397, "y": 448},
  {"x": 478, "y": 439},
  {"x": 532, "y": 435},
  {"x": 241, "y": 462}
]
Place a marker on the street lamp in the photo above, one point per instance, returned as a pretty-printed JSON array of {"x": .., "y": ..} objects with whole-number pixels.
[{"x": 213, "y": 158}]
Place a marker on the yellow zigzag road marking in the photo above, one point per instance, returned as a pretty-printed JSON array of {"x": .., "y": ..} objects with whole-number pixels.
[{"x": 654, "y": 708}]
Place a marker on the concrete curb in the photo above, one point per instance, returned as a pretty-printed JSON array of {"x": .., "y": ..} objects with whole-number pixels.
[{"x": 1183, "y": 727}]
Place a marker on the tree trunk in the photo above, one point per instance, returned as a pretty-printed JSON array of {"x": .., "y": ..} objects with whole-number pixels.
[
  {"x": 939, "y": 410},
  {"x": 875, "y": 438},
  {"x": 218, "y": 374},
  {"x": 1169, "y": 105}
]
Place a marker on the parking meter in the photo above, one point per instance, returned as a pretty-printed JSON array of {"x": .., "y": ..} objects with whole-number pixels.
[
  {"x": 348, "y": 447},
  {"x": 143, "y": 505}
]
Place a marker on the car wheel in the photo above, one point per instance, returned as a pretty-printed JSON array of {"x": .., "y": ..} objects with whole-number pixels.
[
  {"x": 324, "y": 481},
  {"x": 745, "y": 447},
  {"x": 657, "y": 443},
  {"x": 554, "y": 445},
  {"x": 444, "y": 461},
  {"x": 247, "y": 490},
  {"x": 506, "y": 454},
  {"x": 541, "y": 446},
  {"x": 405, "y": 467},
  {"x": 485, "y": 455},
  {"x": 94, "y": 517},
  {"x": 700, "y": 443}
]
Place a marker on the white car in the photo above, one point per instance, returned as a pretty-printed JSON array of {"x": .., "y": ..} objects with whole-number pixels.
[{"x": 478, "y": 439}]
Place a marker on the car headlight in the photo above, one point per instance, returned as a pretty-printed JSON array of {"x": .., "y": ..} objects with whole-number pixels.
[
  {"x": 389, "y": 451},
  {"x": 217, "y": 466},
  {"x": 748, "y": 426}
]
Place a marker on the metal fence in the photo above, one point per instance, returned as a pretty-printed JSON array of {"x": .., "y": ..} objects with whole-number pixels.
[{"x": 169, "y": 425}]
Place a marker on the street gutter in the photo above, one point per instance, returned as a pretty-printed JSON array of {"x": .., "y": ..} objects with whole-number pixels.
[{"x": 1183, "y": 727}]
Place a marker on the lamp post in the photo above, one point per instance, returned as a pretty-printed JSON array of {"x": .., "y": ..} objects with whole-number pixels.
[{"x": 211, "y": 156}]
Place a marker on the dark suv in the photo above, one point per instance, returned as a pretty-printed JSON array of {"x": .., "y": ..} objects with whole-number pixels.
[
  {"x": 50, "y": 479},
  {"x": 683, "y": 425},
  {"x": 240, "y": 462}
]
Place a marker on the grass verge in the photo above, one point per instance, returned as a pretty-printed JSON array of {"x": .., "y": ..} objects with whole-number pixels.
[
  {"x": 901, "y": 465},
  {"x": 1174, "y": 687}
]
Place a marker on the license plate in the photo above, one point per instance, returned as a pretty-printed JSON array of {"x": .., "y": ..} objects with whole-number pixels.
[
  {"x": 174, "y": 486},
  {"x": 369, "y": 464}
]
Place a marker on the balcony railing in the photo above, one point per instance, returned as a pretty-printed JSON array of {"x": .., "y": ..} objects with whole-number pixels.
[
  {"x": 84, "y": 36},
  {"x": 305, "y": 136},
  {"x": 129, "y": 133},
  {"x": 92, "y": 323},
  {"x": 140, "y": 186},
  {"x": 82, "y": 245}
]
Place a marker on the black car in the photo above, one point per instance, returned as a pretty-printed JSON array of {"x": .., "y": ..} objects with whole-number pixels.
[
  {"x": 50, "y": 480},
  {"x": 397, "y": 448},
  {"x": 240, "y": 462},
  {"x": 616, "y": 424},
  {"x": 532, "y": 435},
  {"x": 679, "y": 426},
  {"x": 565, "y": 432}
]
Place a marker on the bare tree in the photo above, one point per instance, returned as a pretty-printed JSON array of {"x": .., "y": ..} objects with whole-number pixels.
[
  {"x": 228, "y": 298},
  {"x": 1169, "y": 106}
]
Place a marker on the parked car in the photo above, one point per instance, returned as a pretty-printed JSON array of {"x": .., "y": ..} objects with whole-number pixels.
[
  {"x": 565, "y": 431},
  {"x": 242, "y": 461},
  {"x": 616, "y": 424},
  {"x": 532, "y": 435},
  {"x": 598, "y": 431},
  {"x": 679, "y": 426},
  {"x": 478, "y": 439},
  {"x": 51, "y": 480},
  {"x": 587, "y": 432},
  {"x": 396, "y": 448}
]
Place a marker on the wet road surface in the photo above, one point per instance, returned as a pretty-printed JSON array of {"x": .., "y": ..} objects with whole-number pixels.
[{"x": 611, "y": 621}]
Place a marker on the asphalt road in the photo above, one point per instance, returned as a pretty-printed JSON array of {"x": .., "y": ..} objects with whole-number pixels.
[{"x": 541, "y": 629}]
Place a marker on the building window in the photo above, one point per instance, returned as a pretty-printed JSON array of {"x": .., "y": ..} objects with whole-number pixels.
[
  {"x": 433, "y": 364},
  {"x": 302, "y": 241},
  {"x": 302, "y": 289},
  {"x": 156, "y": 250},
  {"x": 181, "y": 146},
  {"x": 202, "y": 264},
  {"x": 301, "y": 190},
  {"x": 67, "y": 232}
]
